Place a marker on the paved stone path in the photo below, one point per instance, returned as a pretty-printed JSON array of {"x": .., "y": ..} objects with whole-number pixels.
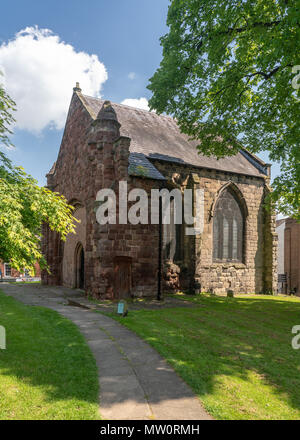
[{"x": 136, "y": 383}]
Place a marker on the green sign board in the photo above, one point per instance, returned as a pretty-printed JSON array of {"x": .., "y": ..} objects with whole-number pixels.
[{"x": 122, "y": 308}]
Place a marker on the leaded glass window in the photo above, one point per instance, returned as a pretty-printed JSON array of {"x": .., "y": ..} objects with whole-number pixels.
[{"x": 228, "y": 229}]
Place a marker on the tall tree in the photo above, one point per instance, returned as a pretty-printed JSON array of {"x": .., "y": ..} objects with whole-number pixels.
[
  {"x": 230, "y": 74},
  {"x": 24, "y": 206}
]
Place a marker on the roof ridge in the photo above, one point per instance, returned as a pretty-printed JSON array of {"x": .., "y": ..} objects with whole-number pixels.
[
  {"x": 130, "y": 107},
  {"x": 260, "y": 161}
]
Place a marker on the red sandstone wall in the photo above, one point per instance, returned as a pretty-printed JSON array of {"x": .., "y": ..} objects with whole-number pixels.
[
  {"x": 91, "y": 159},
  {"x": 68, "y": 265}
]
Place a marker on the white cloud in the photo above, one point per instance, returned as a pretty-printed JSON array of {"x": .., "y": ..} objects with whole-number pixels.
[
  {"x": 39, "y": 73},
  {"x": 132, "y": 75},
  {"x": 137, "y": 103}
]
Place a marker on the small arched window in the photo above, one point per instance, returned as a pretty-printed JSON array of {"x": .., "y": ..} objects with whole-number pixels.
[{"x": 228, "y": 228}]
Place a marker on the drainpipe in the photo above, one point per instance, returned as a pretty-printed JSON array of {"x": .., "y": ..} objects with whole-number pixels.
[{"x": 159, "y": 251}]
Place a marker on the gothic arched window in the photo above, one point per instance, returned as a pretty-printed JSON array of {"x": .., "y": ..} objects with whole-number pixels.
[{"x": 228, "y": 228}]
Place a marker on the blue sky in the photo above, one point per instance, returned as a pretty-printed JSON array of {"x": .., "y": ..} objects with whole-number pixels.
[{"x": 122, "y": 34}]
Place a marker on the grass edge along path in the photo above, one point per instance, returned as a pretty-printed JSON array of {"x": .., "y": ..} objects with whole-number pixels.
[
  {"x": 235, "y": 353},
  {"x": 47, "y": 371}
]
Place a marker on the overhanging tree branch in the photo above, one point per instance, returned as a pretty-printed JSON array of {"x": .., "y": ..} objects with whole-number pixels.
[{"x": 239, "y": 30}]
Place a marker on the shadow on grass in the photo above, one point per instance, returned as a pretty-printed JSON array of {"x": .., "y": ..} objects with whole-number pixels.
[
  {"x": 235, "y": 353},
  {"x": 47, "y": 351},
  {"x": 240, "y": 344}
]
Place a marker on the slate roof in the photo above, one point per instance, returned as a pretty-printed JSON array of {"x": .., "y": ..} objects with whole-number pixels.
[
  {"x": 158, "y": 137},
  {"x": 140, "y": 166},
  {"x": 279, "y": 222}
]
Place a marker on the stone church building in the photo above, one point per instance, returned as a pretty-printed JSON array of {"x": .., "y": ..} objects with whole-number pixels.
[{"x": 105, "y": 143}]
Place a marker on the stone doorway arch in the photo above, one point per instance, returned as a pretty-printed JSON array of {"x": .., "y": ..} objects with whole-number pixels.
[
  {"x": 79, "y": 267},
  {"x": 70, "y": 263}
]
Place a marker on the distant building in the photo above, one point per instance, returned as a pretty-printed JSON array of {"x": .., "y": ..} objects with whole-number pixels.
[
  {"x": 280, "y": 226},
  {"x": 8, "y": 273},
  {"x": 288, "y": 231}
]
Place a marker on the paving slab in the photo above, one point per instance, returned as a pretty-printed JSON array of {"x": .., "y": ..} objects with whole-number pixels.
[{"x": 136, "y": 383}]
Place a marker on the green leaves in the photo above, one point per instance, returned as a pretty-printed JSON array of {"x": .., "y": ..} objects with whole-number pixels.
[
  {"x": 24, "y": 206},
  {"x": 7, "y": 106},
  {"x": 226, "y": 76}
]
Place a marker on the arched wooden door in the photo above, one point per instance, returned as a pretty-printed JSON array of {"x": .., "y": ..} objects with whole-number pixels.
[{"x": 122, "y": 272}]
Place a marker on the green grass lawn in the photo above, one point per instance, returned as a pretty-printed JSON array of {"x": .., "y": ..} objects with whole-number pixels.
[
  {"x": 235, "y": 353},
  {"x": 47, "y": 370},
  {"x": 21, "y": 283}
]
